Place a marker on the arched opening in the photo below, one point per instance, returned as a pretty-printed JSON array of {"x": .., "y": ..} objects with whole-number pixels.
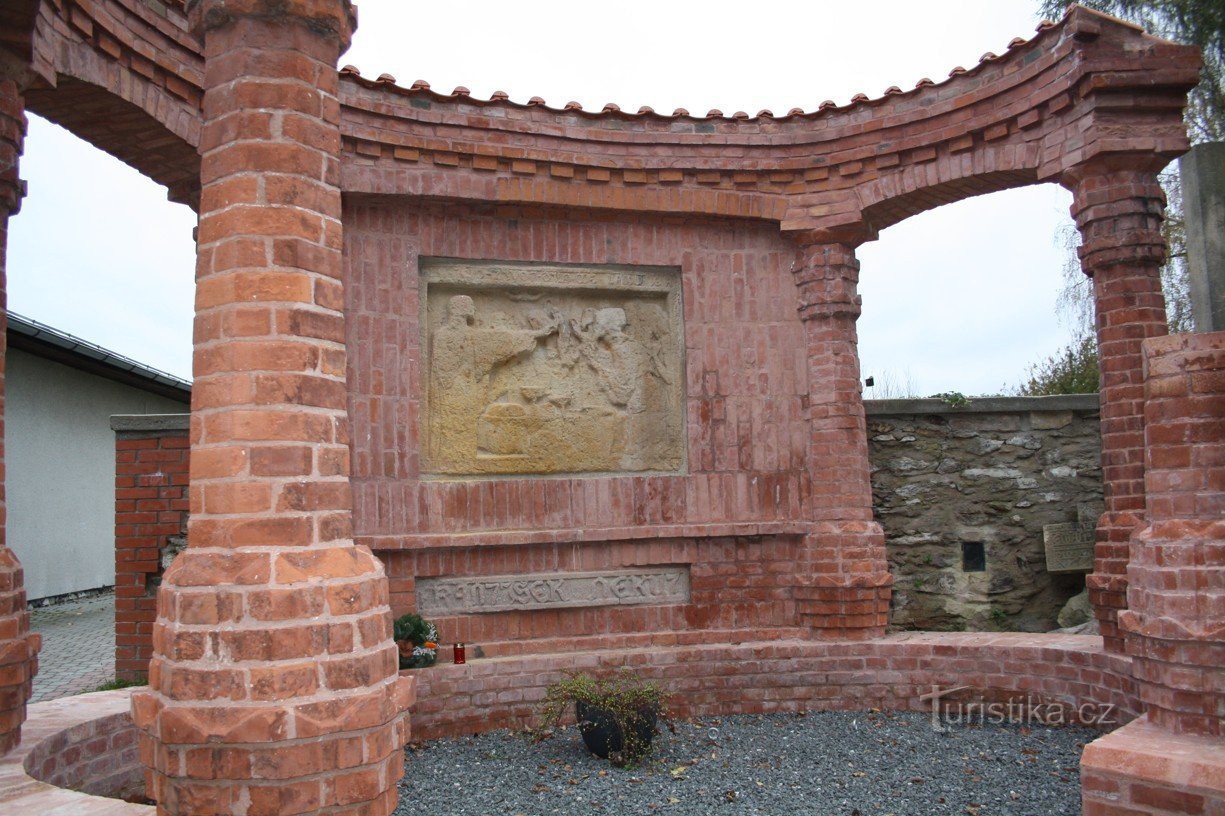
[
  {"x": 100, "y": 270},
  {"x": 970, "y": 485}
]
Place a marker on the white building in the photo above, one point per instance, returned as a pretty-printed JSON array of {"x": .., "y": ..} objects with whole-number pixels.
[{"x": 60, "y": 394}]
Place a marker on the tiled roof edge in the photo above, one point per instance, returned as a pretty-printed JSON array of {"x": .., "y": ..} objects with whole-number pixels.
[{"x": 421, "y": 88}]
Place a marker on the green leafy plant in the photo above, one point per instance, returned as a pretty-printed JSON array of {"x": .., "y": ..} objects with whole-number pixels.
[
  {"x": 998, "y": 616},
  {"x": 417, "y": 639},
  {"x": 622, "y": 703},
  {"x": 1072, "y": 370},
  {"x": 953, "y": 398}
]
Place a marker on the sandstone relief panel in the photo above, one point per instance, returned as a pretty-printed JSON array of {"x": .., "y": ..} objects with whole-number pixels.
[{"x": 535, "y": 369}]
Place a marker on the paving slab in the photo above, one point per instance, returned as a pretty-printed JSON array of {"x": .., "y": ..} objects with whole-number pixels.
[{"x": 78, "y": 652}]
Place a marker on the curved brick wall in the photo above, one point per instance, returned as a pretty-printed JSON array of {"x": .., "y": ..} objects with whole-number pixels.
[
  {"x": 98, "y": 757},
  {"x": 793, "y": 675},
  {"x": 84, "y": 745}
]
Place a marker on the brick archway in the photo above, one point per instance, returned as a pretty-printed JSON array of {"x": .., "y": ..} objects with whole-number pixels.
[{"x": 300, "y": 161}]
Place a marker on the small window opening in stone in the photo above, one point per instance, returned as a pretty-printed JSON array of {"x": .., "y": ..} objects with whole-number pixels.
[{"x": 973, "y": 557}]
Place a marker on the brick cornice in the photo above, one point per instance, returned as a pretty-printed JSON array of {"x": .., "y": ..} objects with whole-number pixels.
[
  {"x": 1087, "y": 87},
  {"x": 12, "y": 134},
  {"x": 1090, "y": 86}
]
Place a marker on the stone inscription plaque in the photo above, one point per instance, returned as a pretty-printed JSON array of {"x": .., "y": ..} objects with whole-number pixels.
[
  {"x": 500, "y": 593},
  {"x": 1069, "y": 547},
  {"x": 534, "y": 369}
]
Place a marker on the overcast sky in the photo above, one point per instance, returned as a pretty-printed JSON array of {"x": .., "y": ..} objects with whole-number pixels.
[{"x": 957, "y": 299}]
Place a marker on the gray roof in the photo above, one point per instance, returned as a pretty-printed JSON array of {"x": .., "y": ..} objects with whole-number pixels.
[{"x": 44, "y": 341}]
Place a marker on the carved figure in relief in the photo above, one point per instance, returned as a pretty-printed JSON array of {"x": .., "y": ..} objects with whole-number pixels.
[{"x": 525, "y": 383}]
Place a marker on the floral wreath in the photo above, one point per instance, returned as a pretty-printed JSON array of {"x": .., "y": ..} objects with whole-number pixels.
[{"x": 417, "y": 640}]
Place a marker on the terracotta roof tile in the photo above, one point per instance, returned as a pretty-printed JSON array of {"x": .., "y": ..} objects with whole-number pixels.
[{"x": 387, "y": 82}]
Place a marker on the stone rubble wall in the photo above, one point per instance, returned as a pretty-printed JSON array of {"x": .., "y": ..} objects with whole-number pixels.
[{"x": 993, "y": 471}]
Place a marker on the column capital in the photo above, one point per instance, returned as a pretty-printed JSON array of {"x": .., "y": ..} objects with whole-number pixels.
[
  {"x": 827, "y": 275},
  {"x": 1118, "y": 208},
  {"x": 327, "y": 18},
  {"x": 1111, "y": 164},
  {"x": 12, "y": 135}
]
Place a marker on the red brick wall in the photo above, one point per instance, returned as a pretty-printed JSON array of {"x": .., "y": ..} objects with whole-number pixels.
[
  {"x": 18, "y": 647},
  {"x": 734, "y": 515},
  {"x": 98, "y": 756},
  {"x": 789, "y": 676},
  {"x": 1176, "y": 595},
  {"x": 150, "y": 507},
  {"x": 1145, "y": 770}
]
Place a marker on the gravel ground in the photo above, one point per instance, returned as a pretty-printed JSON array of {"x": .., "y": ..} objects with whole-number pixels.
[{"x": 819, "y": 764}]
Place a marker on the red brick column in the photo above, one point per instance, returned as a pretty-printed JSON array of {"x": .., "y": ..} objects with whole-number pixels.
[
  {"x": 151, "y": 471},
  {"x": 1119, "y": 211},
  {"x": 274, "y": 683},
  {"x": 1175, "y": 623},
  {"x": 18, "y": 648},
  {"x": 845, "y": 583}
]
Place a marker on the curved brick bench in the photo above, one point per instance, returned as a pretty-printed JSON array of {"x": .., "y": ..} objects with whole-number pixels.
[
  {"x": 87, "y": 743},
  {"x": 894, "y": 672}
]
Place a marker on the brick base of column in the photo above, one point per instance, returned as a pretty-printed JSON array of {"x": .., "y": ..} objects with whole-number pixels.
[
  {"x": 1144, "y": 770},
  {"x": 1107, "y": 584},
  {"x": 18, "y": 651},
  {"x": 844, "y": 586},
  {"x": 1178, "y": 666},
  {"x": 1175, "y": 621},
  {"x": 275, "y": 691}
]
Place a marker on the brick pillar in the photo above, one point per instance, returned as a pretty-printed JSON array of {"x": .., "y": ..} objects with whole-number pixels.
[
  {"x": 1119, "y": 211},
  {"x": 18, "y": 648},
  {"x": 151, "y": 474},
  {"x": 844, "y": 582},
  {"x": 1175, "y": 621},
  {"x": 274, "y": 686}
]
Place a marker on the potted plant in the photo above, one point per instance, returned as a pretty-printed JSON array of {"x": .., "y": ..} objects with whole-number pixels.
[
  {"x": 617, "y": 715},
  {"x": 417, "y": 639}
]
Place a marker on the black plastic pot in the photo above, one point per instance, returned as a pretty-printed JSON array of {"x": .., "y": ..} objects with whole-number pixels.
[{"x": 601, "y": 733}]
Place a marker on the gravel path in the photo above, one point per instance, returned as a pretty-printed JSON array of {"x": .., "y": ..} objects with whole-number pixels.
[{"x": 820, "y": 764}]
